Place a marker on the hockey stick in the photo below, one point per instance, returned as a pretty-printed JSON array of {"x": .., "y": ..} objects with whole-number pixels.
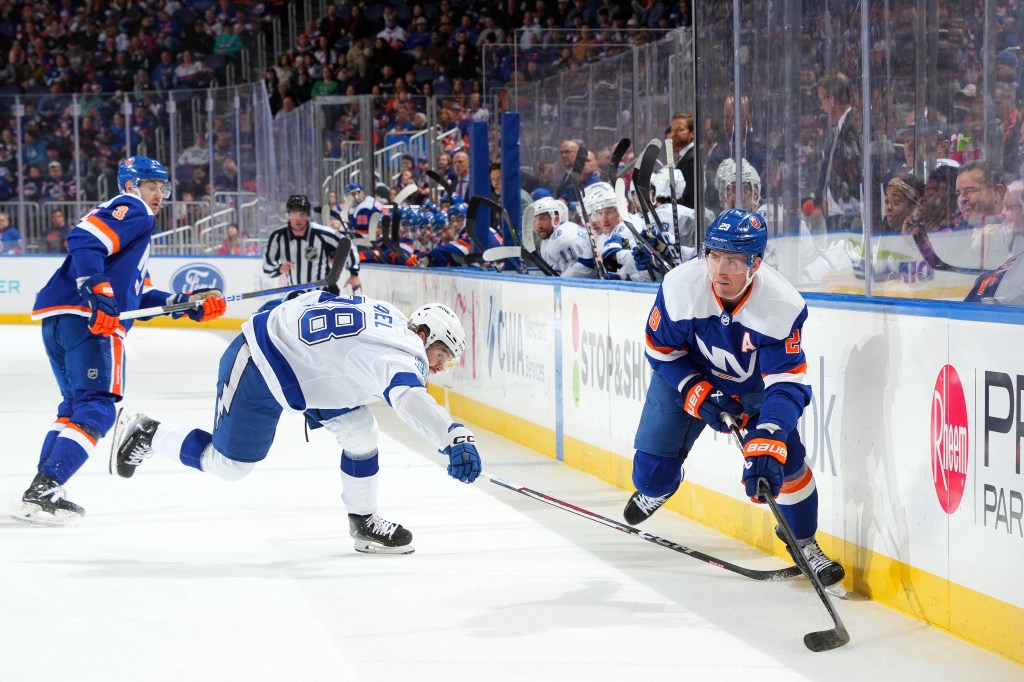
[
  {"x": 670, "y": 164},
  {"x": 340, "y": 259},
  {"x": 613, "y": 163},
  {"x": 405, "y": 193},
  {"x": 924, "y": 245},
  {"x": 439, "y": 179},
  {"x": 502, "y": 253},
  {"x": 753, "y": 574},
  {"x": 577, "y": 168},
  {"x": 823, "y": 640},
  {"x": 574, "y": 177},
  {"x": 663, "y": 264}
]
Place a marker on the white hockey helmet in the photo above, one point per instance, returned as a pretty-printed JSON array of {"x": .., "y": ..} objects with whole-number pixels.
[
  {"x": 552, "y": 206},
  {"x": 599, "y": 195},
  {"x": 726, "y": 176},
  {"x": 444, "y": 326},
  {"x": 660, "y": 183}
]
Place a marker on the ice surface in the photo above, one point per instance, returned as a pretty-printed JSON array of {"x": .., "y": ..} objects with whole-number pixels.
[{"x": 175, "y": 575}]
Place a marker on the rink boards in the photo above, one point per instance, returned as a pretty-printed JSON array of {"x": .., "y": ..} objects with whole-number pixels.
[{"x": 913, "y": 433}]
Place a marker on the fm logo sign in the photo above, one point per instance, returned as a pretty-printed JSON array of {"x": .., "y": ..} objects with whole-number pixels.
[{"x": 949, "y": 439}]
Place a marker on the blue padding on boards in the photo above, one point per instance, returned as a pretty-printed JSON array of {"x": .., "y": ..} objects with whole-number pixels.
[
  {"x": 511, "y": 177},
  {"x": 480, "y": 175}
]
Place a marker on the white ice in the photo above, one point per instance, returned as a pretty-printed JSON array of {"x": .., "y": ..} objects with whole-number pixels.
[{"x": 174, "y": 575}]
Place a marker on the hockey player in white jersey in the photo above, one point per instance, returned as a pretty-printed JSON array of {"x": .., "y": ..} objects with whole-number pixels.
[
  {"x": 613, "y": 238},
  {"x": 328, "y": 357},
  {"x": 563, "y": 242},
  {"x": 724, "y": 341}
]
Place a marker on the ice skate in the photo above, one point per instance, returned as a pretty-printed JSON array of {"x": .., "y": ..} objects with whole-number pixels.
[
  {"x": 132, "y": 442},
  {"x": 640, "y": 507},
  {"x": 829, "y": 572},
  {"x": 376, "y": 535},
  {"x": 45, "y": 503}
]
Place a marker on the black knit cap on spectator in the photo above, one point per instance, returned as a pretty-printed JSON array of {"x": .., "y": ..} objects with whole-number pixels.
[{"x": 297, "y": 202}]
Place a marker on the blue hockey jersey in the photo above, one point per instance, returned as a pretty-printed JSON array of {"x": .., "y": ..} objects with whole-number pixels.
[
  {"x": 113, "y": 239},
  {"x": 755, "y": 348}
]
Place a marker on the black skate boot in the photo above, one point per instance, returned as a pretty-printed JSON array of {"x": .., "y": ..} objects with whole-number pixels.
[
  {"x": 640, "y": 507},
  {"x": 829, "y": 572},
  {"x": 132, "y": 442},
  {"x": 45, "y": 503},
  {"x": 375, "y": 535}
]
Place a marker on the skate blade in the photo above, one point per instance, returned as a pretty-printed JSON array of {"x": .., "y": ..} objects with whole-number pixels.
[
  {"x": 31, "y": 514},
  {"x": 837, "y": 591},
  {"x": 366, "y": 547}
]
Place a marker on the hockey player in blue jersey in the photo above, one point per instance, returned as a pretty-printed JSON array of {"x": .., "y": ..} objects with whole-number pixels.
[
  {"x": 729, "y": 348},
  {"x": 328, "y": 357},
  {"x": 103, "y": 274}
]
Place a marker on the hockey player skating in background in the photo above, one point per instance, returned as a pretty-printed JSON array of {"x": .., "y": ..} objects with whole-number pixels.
[
  {"x": 362, "y": 208},
  {"x": 104, "y": 273},
  {"x": 328, "y": 357},
  {"x": 729, "y": 346},
  {"x": 563, "y": 242}
]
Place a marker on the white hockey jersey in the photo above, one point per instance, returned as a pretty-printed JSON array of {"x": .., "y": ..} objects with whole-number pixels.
[
  {"x": 320, "y": 351},
  {"x": 566, "y": 244}
]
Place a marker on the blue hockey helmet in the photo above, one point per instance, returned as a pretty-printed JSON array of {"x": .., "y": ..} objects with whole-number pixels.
[
  {"x": 139, "y": 168},
  {"x": 459, "y": 209},
  {"x": 737, "y": 231},
  {"x": 354, "y": 187}
]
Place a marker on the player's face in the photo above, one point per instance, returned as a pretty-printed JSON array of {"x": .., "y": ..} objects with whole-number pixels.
[
  {"x": 439, "y": 357},
  {"x": 298, "y": 220},
  {"x": 729, "y": 273},
  {"x": 457, "y": 222},
  {"x": 544, "y": 224},
  {"x": 606, "y": 219},
  {"x": 749, "y": 201},
  {"x": 152, "y": 193}
]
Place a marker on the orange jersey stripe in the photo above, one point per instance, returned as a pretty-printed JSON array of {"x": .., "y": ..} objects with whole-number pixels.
[{"x": 115, "y": 241}]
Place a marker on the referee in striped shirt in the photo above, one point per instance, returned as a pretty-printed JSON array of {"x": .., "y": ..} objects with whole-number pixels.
[{"x": 303, "y": 250}]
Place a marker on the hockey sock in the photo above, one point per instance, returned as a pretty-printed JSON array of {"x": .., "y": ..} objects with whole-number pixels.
[
  {"x": 50, "y": 441},
  {"x": 182, "y": 443},
  {"x": 71, "y": 447},
  {"x": 798, "y": 502},
  {"x": 359, "y": 482}
]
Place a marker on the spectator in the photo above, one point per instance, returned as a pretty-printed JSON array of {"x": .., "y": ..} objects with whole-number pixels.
[
  {"x": 979, "y": 193},
  {"x": 55, "y": 239},
  {"x": 682, "y": 134},
  {"x": 235, "y": 245},
  {"x": 10, "y": 237},
  {"x": 191, "y": 73},
  {"x": 902, "y": 195},
  {"x": 196, "y": 155},
  {"x": 326, "y": 86},
  {"x": 227, "y": 180},
  {"x": 32, "y": 189},
  {"x": 57, "y": 187},
  {"x": 163, "y": 74}
]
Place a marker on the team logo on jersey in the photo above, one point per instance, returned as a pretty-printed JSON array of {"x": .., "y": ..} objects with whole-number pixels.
[
  {"x": 726, "y": 319},
  {"x": 728, "y": 366},
  {"x": 196, "y": 276},
  {"x": 93, "y": 373},
  {"x": 312, "y": 254}
]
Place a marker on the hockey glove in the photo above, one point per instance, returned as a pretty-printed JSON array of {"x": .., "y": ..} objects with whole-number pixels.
[
  {"x": 464, "y": 462},
  {"x": 655, "y": 239},
  {"x": 704, "y": 401},
  {"x": 98, "y": 293},
  {"x": 764, "y": 453},
  {"x": 213, "y": 306},
  {"x": 641, "y": 258}
]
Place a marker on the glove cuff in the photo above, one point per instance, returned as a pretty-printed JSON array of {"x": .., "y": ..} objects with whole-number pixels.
[
  {"x": 695, "y": 396},
  {"x": 759, "y": 447}
]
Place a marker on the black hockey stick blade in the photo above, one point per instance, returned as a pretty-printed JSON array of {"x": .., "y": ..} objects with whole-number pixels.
[
  {"x": 341, "y": 255},
  {"x": 823, "y": 640},
  {"x": 440, "y": 180},
  {"x": 753, "y": 574},
  {"x": 645, "y": 167},
  {"x": 613, "y": 163},
  {"x": 934, "y": 261}
]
